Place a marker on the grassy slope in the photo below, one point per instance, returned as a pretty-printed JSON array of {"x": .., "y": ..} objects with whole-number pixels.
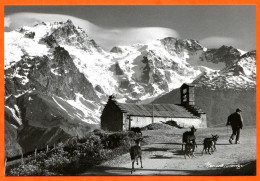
[{"x": 218, "y": 104}]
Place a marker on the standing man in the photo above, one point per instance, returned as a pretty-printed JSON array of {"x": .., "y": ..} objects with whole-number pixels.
[{"x": 236, "y": 122}]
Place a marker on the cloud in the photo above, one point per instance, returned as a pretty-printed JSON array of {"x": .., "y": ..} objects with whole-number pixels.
[
  {"x": 218, "y": 41},
  {"x": 130, "y": 36},
  {"x": 105, "y": 37},
  {"x": 7, "y": 22}
]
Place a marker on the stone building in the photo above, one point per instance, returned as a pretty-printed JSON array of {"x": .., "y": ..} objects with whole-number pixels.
[{"x": 122, "y": 116}]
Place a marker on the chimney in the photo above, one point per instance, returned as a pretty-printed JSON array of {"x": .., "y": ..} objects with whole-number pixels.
[{"x": 187, "y": 94}]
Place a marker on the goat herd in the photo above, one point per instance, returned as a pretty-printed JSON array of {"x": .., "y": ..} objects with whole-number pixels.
[{"x": 188, "y": 141}]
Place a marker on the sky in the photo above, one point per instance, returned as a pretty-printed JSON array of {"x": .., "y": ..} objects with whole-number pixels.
[{"x": 213, "y": 26}]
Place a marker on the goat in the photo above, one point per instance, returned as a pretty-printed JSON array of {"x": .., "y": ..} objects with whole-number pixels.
[
  {"x": 210, "y": 143},
  {"x": 189, "y": 136},
  {"x": 135, "y": 153},
  {"x": 189, "y": 149},
  {"x": 215, "y": 139},
  {"x": 137, "y": 130}
]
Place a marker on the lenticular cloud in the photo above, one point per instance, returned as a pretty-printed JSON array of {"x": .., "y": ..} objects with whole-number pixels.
[
  {"x": 105, "y": 37},
  {"x": 217, "y": 41}
]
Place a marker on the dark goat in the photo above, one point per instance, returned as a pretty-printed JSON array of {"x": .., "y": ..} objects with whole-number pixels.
[
  {"x": 210, "y": 143},
  {"x": 207, "y": 145},
  {"x": 189, "y": 149},
  {"x": 135, "y": 153},
  {"x": 136, "y": 130},
  {"x": 189, "y": 136}
]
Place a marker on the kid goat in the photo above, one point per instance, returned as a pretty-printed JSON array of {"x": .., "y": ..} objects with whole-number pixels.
[{"x": 210, "y": 143}]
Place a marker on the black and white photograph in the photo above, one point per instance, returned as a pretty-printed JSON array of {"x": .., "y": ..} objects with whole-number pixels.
[{"x": 130, "y": 90}]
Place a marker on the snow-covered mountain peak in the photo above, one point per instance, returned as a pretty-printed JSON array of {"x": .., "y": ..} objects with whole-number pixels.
[
  {"x": 39, "y": 39},
  {"x": 134, "y": 73},
  {"x": 239, "y": 75},
  {"x": 174, "y": 44}
]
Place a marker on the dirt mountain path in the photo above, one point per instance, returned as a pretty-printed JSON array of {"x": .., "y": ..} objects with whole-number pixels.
[{"x": 164, "y": 157}]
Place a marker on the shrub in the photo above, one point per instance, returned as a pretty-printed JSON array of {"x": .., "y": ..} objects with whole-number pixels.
[
  {"x": 53, "y": 163},
  {"x": 91, "y": 145},
  {"x": 117, "y": 139},
  {"x": 77, "y": 155},
  {"x": 57, "y": 162},
  {"x": 28, "y": 169}
]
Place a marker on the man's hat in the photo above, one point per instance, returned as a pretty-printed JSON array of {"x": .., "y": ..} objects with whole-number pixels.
[{"x": 238, "y": 110}]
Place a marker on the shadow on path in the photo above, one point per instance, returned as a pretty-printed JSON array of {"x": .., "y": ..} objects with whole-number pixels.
[
  {"x": 169, "y": 143},
  {"x": 155, "y": 149},
  {"x": 248, "y": 169},
  {"x": 161, "y": 157}
]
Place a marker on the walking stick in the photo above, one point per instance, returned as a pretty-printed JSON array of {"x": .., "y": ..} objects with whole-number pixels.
[{"x": 227, "y": 131}]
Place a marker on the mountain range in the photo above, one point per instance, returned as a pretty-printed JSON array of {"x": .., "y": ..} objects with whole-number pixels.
[{"x": 58, "y": 79}]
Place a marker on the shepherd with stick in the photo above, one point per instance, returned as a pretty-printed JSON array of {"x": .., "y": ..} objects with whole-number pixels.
[{"x": 236, "y": 122}]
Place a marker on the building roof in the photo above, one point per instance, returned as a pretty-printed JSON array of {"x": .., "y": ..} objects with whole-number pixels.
[
  {"x": 156, "y": 110},
  {"x": 188, "y": 85}
]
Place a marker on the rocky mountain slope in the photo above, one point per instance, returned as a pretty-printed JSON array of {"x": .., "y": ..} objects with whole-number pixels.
[{"x": 57, "y": 79}]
